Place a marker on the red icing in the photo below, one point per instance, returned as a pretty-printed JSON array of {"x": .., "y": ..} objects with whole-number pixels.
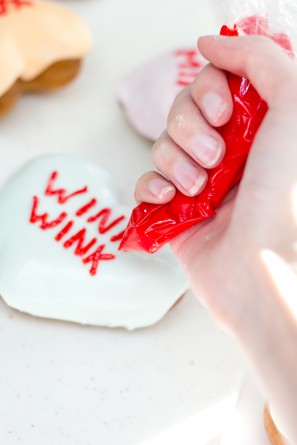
[
  {"x": 43, "y": 218},
  {"x": 259, "y": 25},
  {"x": 78, "y": 239},
  {"x": 61, "y": 193},
  {"x": 118, "y": 237},
  {"x": 64, "y": 231},
  {"x": 188, "y": 67},
  {"x": 152, "y": 225},
  {"x": 226, "y": 31},
  {"x": 86, "y": 207},
  {"x": 97, "y": 256},
  {"x": 5, "y": 5},
  {"x": 254, "y": 25},
  {"x": 103, "y": 216}
]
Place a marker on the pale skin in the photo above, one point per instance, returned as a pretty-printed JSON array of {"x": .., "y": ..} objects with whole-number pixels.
[{"x": 234, "y": 260}]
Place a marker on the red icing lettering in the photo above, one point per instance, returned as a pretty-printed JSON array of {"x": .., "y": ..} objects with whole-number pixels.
[
  {"x": 17, "y": 4},
  {"x": 190, "y": 58},
  {"x": 44, "y": 223},
  {"x": 86, "y": 207},
  {"x": 61, "y": 193},
  {"x": 104, "y": 215},
  {"x": 97, "y": 256},
  {"x": 118, "y": 237},
  {"x": 64, "y": 231},
  {"x": 189, "y": 66},
  {"x": 183, "y": 83},
  {"x": 79, "y": 238}
]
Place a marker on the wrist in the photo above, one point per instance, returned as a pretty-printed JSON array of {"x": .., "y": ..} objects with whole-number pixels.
[
  {"x": 242, "y": 288},
  {"x": 267, "y": 332}
]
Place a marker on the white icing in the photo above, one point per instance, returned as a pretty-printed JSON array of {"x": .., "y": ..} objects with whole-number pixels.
[
  {"x": 40, "y": 35},
  {"x": 39, "y": 276},
  {"x": 147, "y": 93}
]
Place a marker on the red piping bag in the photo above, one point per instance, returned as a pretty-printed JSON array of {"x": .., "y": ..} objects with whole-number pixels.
[{"x": 153, "y": 225}]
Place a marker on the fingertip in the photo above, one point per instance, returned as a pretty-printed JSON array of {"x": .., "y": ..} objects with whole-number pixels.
[
  {"x": 189, "y": 178},
  {"x": 208, "y": 151},
  {"x": 160, "y": 190},
  {"x": 204, "y": 41},
  {"x": 215, "y": 108},
  {"x": 154, "y": 189}
]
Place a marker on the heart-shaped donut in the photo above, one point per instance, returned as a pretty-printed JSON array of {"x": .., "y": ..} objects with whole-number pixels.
[
  {"x": 61, "y": 224},
  {"x": 42, "y": 45},
  {"x": 147, "y": 94}
]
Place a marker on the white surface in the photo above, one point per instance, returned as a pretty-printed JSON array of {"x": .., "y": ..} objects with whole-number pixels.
[
  {"x": 64, "y": 384},
  {"x": 246, "y": 422},
  {"x": 205, "y": 427},
  {"x": 237, "y": 419}
]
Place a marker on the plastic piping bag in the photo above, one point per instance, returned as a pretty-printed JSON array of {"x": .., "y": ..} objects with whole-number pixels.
[{"x": 152, "y": 225}]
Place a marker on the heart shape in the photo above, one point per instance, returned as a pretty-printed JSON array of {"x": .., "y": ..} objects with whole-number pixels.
[
  {"x": 61, "y": 224},
  {"x": 147, "y": 93},
  {"x": 41, "y": 47}
]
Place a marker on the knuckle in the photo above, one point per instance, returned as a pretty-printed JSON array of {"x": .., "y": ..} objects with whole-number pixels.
[
  {"x": 196, "y": 88},
  {"x": 172, "y": 115},
  {"x": 175, "y": 125},
  {"x": 175, "y": 120},
  {"x": 154, "y": 150},
  {"x": 202, "y": 81},
  {"x": 158, "y": 149},
  {"x": 256, "y": 48},
  {"x": 249, "y": 57},
  {"x": 136, "y": 194}
]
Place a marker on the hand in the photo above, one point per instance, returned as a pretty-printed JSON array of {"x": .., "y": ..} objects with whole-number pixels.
[
  {"x": 260, "y": 216},
  {"x": 234, "y": 260}
]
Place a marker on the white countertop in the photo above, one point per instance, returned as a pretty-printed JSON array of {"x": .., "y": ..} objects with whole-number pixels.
[{"x": 65, "y": 384}]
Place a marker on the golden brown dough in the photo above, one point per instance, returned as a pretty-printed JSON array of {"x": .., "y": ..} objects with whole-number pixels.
[
  {"x": 9, "y": 99},
  {"x": 56, "y": 76},
  {"x": 274, "y": 435}
]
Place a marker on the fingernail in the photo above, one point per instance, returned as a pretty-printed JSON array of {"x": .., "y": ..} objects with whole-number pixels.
[
  {"x": 159, "y": 189},
  {"x": 206, "y": 150},
  {"x": 189, "y": 177},
  {"x": 213, "y": 107}
]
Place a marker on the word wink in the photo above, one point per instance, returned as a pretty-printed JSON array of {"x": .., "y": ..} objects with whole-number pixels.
[{"x": 82, "y": 247}]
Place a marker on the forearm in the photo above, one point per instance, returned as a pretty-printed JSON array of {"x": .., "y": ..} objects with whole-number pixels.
[{"x": 268, "y": 334}]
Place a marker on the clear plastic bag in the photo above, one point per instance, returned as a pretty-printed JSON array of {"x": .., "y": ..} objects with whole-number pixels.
[{"x": 271, "y": 17}]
